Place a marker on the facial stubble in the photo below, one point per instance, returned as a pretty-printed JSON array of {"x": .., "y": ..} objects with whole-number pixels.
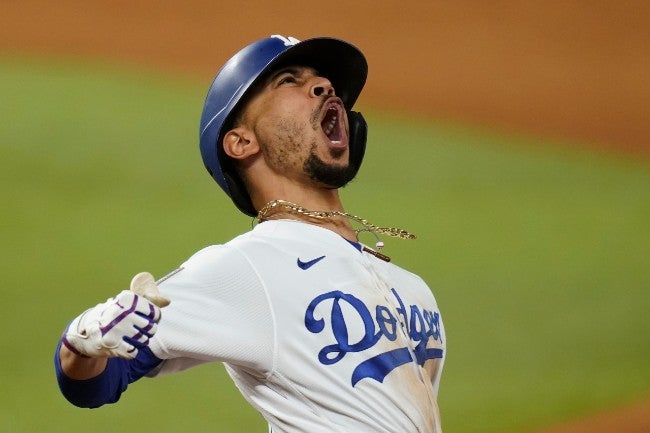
[{"x": 331, "y": 175}]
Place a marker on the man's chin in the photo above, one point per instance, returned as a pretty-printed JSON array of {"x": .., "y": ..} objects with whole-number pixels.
[
  {"x": 333, "y": 175},
  {"x": 337, "y": 153}
]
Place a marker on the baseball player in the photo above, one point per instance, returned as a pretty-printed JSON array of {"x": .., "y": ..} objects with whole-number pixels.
[{"x": 319, "y": 332}]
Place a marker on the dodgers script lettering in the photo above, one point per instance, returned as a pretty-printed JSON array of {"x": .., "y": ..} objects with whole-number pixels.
[{"x": 419, "y": 324}]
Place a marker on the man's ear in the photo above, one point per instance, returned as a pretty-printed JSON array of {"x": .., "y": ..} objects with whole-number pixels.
[{"x": 240, "y": 143}]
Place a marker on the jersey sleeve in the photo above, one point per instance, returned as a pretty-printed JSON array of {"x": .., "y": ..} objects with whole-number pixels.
[{"x": 218, "y": 312}]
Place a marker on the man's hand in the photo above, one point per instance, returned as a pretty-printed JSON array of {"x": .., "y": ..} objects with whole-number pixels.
[{"x": 115, "y": 328}]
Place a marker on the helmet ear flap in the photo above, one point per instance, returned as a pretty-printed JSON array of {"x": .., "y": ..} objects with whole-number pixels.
[{"x": 358, "y": 137}]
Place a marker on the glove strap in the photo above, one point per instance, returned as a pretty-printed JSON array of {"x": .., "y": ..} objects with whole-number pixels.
[{"x": 71, "y": 348}]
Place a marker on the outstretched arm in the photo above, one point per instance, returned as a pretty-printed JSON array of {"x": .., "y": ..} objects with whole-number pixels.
[
  {"x": 106, "y": 347},
  {"x": 82, "y": 387}
]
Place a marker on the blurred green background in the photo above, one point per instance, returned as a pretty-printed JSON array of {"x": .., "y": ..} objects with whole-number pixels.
[{"x": 537, "y": 251}]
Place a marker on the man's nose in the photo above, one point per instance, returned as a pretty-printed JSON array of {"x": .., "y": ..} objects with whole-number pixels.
[{"x": 322, "y": 86}]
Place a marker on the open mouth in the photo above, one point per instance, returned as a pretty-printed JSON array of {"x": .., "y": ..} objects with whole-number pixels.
[{"x": 332, "y": 123}]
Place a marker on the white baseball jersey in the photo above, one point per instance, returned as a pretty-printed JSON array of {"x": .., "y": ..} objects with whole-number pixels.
[{"x": 317, "y": 335}]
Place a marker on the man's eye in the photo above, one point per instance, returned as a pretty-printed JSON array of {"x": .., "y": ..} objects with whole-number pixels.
[{"x": 286, "y": 79}]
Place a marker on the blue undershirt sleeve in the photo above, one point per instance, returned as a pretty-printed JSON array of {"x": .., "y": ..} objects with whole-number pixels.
[{"x": 110, "y": 384}]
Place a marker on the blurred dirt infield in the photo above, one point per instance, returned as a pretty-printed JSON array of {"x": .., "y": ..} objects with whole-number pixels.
[
  {"x": 632, "y": 419},
  {"x": 573, "y": 70},
  {"x": 568, "y": 70}
]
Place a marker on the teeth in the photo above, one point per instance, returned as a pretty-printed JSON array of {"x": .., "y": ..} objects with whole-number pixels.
[{"x": 330, "y": 125}]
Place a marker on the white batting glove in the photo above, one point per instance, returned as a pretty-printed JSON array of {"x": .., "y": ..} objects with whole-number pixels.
[{"x": 116, "y": 328}]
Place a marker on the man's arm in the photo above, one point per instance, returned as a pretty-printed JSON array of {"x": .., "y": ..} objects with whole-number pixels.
[
  {"x": 106, "y": 347},
  {"x": 93, "y": 382},
  {"x": 80, "y": 367}
]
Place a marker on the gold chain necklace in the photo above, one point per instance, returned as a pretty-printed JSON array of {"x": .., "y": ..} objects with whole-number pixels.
[{"x": 275, "y": 207}]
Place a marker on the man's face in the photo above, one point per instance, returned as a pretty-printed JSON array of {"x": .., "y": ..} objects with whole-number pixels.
[{"x": 301, "y": 126}]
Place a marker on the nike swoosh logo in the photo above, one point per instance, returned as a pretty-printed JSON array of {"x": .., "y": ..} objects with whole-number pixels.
[{"x": 306, "y": 265}]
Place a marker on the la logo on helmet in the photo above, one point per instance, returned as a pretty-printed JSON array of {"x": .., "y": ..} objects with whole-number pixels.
[{"x": 288, "y": 41}]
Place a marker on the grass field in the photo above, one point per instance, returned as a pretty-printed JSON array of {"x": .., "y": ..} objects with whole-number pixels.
[{"x": 537, "y": 252}]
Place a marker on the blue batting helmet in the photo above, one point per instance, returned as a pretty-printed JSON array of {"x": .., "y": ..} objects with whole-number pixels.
[{"x": 340, "y": 62}]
